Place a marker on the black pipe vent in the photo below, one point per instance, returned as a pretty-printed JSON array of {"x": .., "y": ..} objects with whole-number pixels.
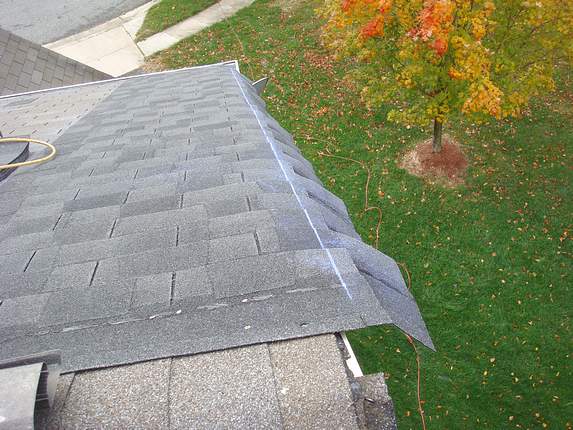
[{"x": 10, "y": 153}]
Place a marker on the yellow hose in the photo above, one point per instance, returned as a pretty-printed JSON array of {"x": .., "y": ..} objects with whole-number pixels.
[{"x": 29, "y": 162}]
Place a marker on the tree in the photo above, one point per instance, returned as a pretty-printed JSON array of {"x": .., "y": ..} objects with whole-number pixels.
[{"x": 433, "y": 58}]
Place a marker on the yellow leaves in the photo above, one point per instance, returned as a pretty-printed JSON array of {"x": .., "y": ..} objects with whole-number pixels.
[
  {"x": 454, "y": 73},
  {"x": 478, "y": 28},
  {"x": 405, "y": 78},
  {"x": 489, "y": 7},
  {"x": 457, "y": 42},
  {"x": 514, "y": 102},
  {"x": 404, "y": 13},
  {"x": 484, "y": 97}
]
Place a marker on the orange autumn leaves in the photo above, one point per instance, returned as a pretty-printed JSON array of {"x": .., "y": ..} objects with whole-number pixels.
[
  {"x": 435, "y": 24},
  {"x": 436, "y": 57},
  {"x": 434, "y": 20},
  {"x": 375, "y": 27}
]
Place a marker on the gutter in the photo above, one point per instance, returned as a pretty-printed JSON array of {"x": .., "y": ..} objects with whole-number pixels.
[{"x": 351, "y": 361}]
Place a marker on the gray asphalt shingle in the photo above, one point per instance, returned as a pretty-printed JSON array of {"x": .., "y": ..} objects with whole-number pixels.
[
  {"x": 108, "y": 398},
  {"x": 311, "y": 384},
  {"x": 177, "y": 218},
  {"x": 240, "y": 379}
]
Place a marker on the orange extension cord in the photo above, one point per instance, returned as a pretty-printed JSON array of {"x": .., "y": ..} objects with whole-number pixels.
[
  {"x": 368, "y": 208},
  {"x": 48, "y": 157}
]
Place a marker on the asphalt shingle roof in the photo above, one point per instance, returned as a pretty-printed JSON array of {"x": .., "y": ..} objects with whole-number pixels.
[
  {"x": 178, "y": 217},
  {"x": 27, "y": 66}
]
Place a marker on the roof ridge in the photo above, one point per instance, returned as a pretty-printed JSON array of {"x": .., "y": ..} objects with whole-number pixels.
[
  {"x": 298, "y": 199},
  {"x": 122, "y": 78}
]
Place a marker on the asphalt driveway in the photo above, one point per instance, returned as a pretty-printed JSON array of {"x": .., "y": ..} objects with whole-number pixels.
[{"x": 44, "y": 21}]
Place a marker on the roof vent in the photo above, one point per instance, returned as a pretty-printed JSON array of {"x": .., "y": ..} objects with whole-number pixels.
[{"x": 27, "y": 384}]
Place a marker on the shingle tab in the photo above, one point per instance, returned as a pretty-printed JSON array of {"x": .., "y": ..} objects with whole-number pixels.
[
  {"x": 72, "y": 276},
  {"x": 309, "y": 371},
  {"x": 199, "y": 404},
  {"x": 232, "y": 248},
  {"x": 15, "y": 263},
  {"x": 108, "y": 398},
  {"x": 84, "y": 304},
  {"x": 152, "y": 262},
  {"x": 151, "y": 290},
  {"x": 22, "y": 310},
  {"x": 159, "y": 220},
  {"x": 253, "y": 274}
]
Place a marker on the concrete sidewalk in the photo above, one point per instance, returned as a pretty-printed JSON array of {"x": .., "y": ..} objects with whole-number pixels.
[{"x": 111, "y": 47}]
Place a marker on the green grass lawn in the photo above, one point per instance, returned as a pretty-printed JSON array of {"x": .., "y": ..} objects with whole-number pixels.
[
  {"x": 490, "y": 261},
  {"x": 168, "y": 13}
]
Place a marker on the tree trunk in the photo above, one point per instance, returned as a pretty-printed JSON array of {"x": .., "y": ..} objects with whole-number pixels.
[{"x": 437, "y": 140}]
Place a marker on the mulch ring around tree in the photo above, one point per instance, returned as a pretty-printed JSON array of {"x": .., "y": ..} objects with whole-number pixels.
[{"x": 447, "y": 167}]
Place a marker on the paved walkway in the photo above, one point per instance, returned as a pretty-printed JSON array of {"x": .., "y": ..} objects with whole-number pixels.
[{"x": 111, "y": 47}]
